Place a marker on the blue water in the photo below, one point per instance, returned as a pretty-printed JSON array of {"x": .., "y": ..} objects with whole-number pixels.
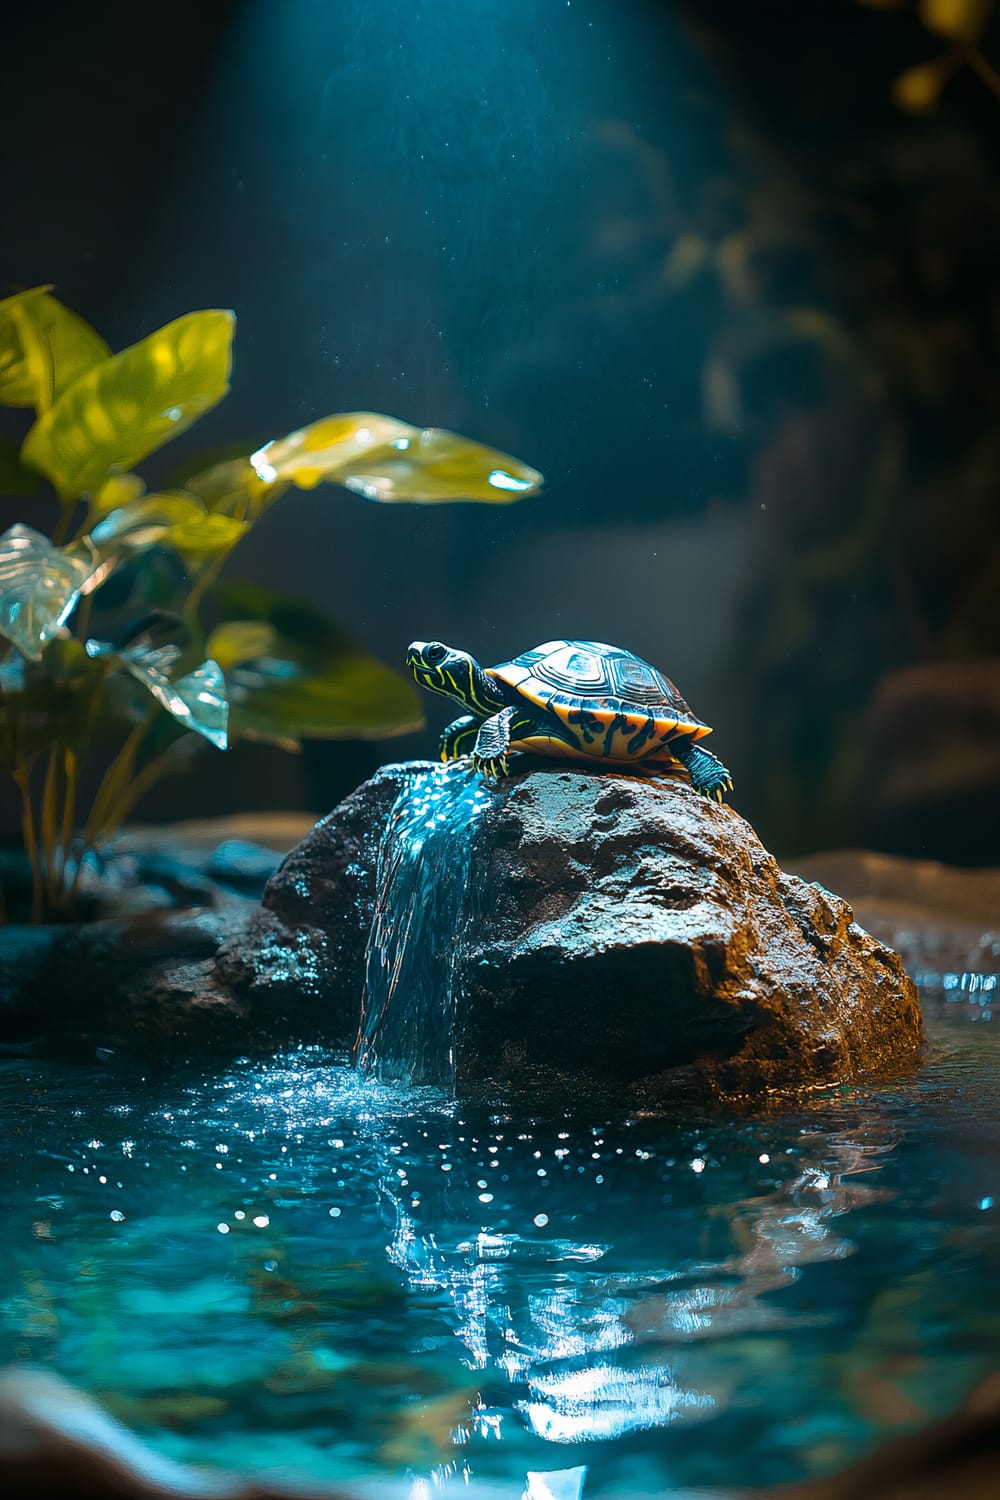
[
  {"x": 285, "y": 1265},
  {"x": 422, "y": 893}
]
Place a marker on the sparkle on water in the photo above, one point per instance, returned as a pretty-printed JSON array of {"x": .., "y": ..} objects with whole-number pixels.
[
  {"x": 422, "y": 891},
  {"x": 288, "y": 1265}
]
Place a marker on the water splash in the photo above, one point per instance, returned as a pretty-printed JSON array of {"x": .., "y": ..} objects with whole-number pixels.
[{"x": 422, "y": 894}]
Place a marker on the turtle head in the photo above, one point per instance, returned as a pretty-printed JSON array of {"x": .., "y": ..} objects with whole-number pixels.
[{"x": 454, "y": 673}]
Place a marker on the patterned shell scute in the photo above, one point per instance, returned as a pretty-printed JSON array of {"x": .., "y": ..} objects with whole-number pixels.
[{"x": 603, "y": 680}]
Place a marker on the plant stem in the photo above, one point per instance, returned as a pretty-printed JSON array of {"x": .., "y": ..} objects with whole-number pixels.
[
  {"x": 83, "y": 617},
  {"x": 49, "y": 824},
  {"x": 62, "y": 525},
  {"x": 69, "y": 813},
  {"x": 130, "y": 794},
  {"x": 193, "y": 602},
  {"x": 119, "y": 768},
  {"x": 22, "y": 779}
]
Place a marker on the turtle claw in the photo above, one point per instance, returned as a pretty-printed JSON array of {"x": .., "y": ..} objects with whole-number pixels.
[{"x": 490, "y": 767}]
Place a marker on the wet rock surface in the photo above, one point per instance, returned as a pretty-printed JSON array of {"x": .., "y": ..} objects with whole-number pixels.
[
  {"x": 943, "y": 921},
  {"x": 141, "y": 974},
  {"x": 623, "y": 930}
]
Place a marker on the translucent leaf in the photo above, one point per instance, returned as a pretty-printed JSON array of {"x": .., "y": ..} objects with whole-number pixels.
[
  {"x": 197, "y": 701},
  {"x": 44, "y": 348},
  {"x": 205, "y": 535},
  {"x": 40, "y": 585},
  {"x": 173, "y": 520},
  {"x": 957, "y": 20},
  {"x": 437, "y": 466},
  {"x": 120, "y": 489},
  {"x": 319, "y": 451},
  {"x": 293, "y": 675},
  {"x": 388, "y": 460},
  {"x": 233, "y": 488},
  {"x": 919, "y": 89},
  {"x": 132, "y": 403}
]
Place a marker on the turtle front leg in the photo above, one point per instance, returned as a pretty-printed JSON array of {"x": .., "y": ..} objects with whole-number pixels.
[
  {"x": 493, "y": 740},
  {"x": 709, "y": 777},
  {"x": 459, "y": 738}
]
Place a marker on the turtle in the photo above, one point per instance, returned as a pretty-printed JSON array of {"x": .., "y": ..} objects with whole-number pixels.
[{"x": 576, "y": 700}]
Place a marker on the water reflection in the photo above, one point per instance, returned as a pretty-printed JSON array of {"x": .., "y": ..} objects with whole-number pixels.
[
  {"x": 597, "y": 1340},
  {"x": 376, "y": 1279}
]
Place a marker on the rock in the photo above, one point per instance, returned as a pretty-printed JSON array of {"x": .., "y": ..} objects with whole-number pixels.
[
  {"x": 955, "y": 1458},
  {"x": 623, "y": 929},
  {"x": 944, "y": 922},
  {"x": 932, "y": 771},
  {"x": 142, "y": 984},
  {"x": 57, "y": 1442},
  {"x": 140, "y": 975}
]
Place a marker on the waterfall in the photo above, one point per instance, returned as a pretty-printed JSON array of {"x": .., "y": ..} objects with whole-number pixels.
[{"x": 421, "y": 897}]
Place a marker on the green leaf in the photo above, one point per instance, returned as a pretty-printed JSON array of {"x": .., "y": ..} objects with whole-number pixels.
[
  {"x": 197, "y": 700},
  {"x": 132, "y": 403},
  {"x": 388, "y": 460},
  {"x": 291, "y": 675},
  {"x": 171, "y": 520},
  {"x": 119, "y": 490},
  {"x": 40, "y": 585},
  {"x": 233, "y": 488},
  {"x": 44, "y": 348}
]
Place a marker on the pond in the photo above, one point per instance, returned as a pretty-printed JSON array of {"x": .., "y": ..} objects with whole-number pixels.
[{"x": 283, "y": 1266}]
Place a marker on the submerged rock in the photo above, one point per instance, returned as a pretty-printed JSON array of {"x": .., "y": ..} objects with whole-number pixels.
[{"x": 615, "y": 927}]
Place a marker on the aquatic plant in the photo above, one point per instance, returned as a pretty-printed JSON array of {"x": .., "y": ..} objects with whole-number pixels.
[{"x": 107, "y": 655}]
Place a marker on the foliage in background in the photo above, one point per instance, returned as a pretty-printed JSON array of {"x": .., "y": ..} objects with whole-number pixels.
[
  {"x": 844, "y": 272},
  {"x": 107, "y": 654},
  {"x": 962, "y": 25}
]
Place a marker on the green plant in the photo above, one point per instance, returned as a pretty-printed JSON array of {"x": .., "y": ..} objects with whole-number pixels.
[{"x": 106, "y": 650}]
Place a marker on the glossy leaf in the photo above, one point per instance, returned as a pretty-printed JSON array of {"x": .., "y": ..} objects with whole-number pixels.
[
  {"x": 132, "y": 403},
  {"x": 119, "y": 490},
  {"x": 40, "y": 585},
  {"x": 197, "y": 700},
  {"x": 172, "y": 520},
  {"x": 292, "y": 675},
  {"x": 388, "y": 460},
  {"x": 44, "y": 348},
  {"x": 233, "y": 488}
]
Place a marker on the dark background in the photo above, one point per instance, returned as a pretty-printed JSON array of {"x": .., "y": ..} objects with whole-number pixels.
[{"x": 696, "y": 262}]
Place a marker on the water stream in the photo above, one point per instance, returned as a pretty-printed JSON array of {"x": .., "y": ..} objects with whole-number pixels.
[{"x": 423, "y": 894}]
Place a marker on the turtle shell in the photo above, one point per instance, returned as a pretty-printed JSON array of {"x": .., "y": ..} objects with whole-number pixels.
[{"x": 614, "y": 704}]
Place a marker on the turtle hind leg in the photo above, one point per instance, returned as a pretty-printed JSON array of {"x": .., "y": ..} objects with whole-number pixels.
[
  {"x": 709, "y": 777},
  {"x": 459, "y": 738}
]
